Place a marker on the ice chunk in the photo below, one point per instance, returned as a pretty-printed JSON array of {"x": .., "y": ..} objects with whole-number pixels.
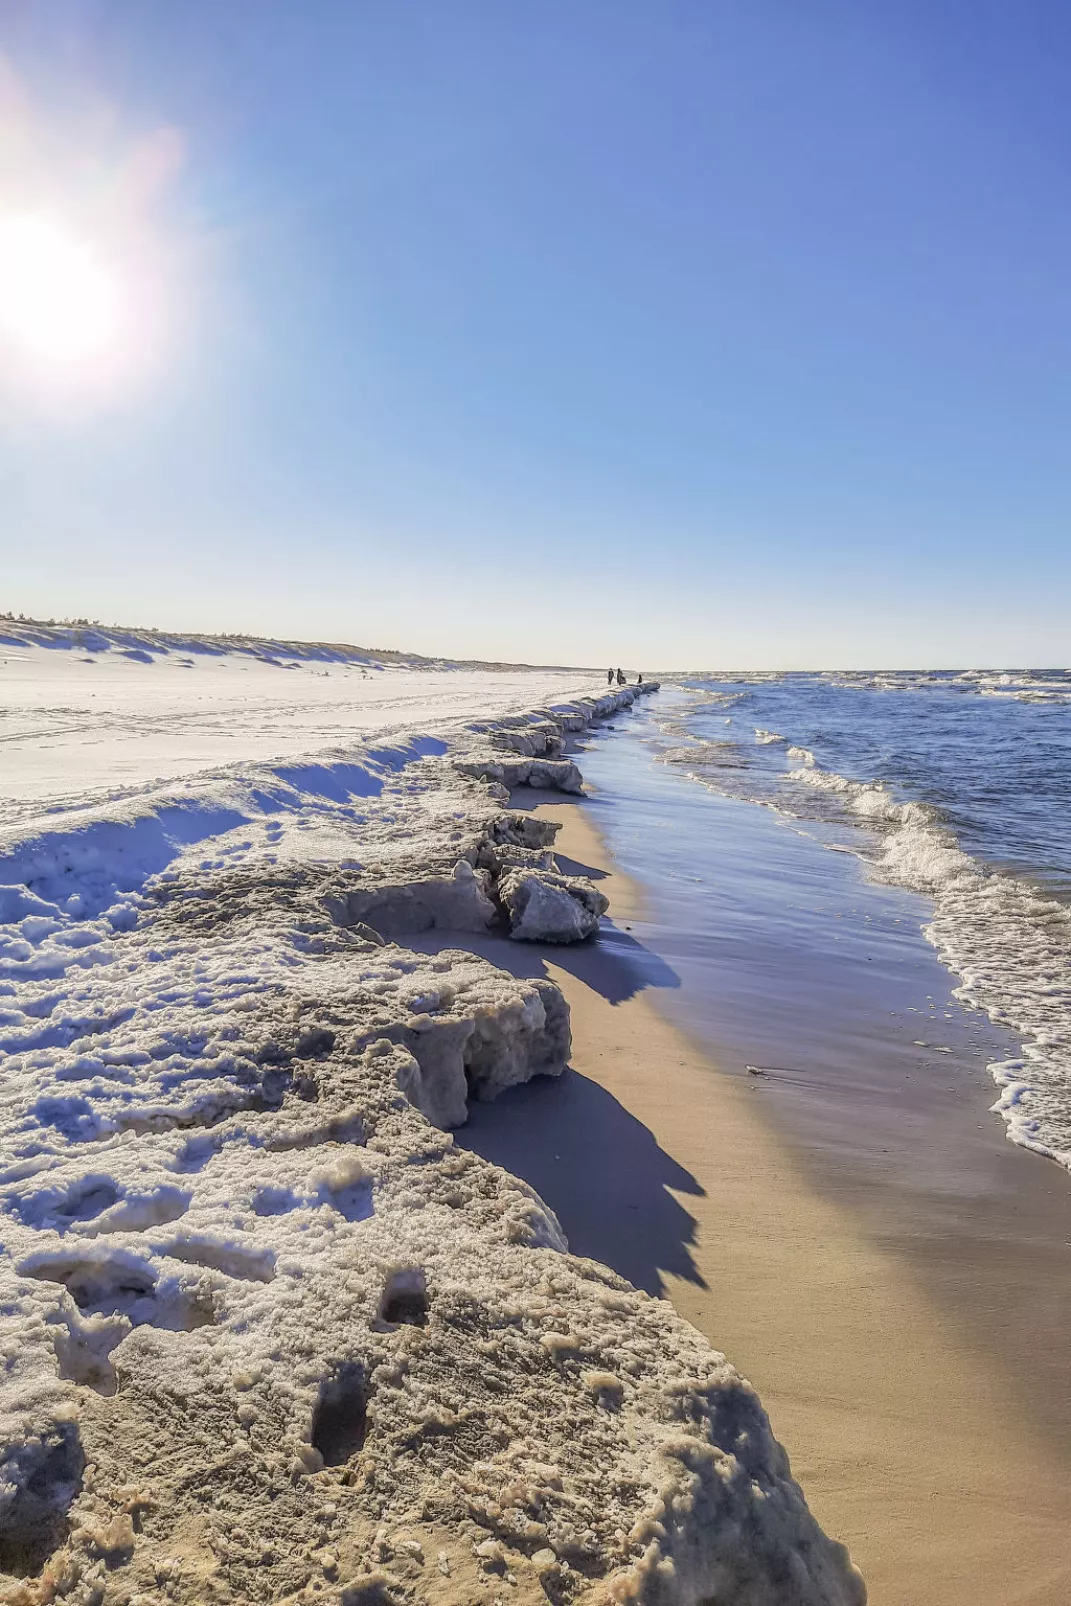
[
  {"x": 458, "y": 902},
  {"x": 547, "y": 907}
]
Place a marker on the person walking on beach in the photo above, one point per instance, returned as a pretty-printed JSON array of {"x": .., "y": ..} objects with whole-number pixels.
[
  {"x": 609, "y": 677},
  {"x": 620, "y": 677}
]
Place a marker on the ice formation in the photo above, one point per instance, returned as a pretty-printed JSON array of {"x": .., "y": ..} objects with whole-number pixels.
[
  {"x": 545, "y": 906},
  {"x": 268, "y": 1335}
]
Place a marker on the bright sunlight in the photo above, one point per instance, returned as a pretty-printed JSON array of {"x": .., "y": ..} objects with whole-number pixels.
[{"x": 60, "y": 301}]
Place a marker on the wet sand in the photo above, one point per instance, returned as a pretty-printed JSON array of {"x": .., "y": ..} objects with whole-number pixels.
[{"x": 917, "y": 1373}]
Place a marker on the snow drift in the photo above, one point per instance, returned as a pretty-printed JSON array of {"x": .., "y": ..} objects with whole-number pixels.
[{"x": 268, "y": 1335}]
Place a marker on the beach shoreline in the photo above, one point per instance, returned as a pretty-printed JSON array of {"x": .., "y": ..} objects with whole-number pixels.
[
  {"x": 417, "y": 1395},
  {"x": 911, "y": 1443},
  {"x": 662, "y": 1160}
]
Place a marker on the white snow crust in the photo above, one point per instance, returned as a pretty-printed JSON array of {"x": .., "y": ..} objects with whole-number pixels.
[
  {"x": 267, "y": 1334},
  {"x": 103, "y": 714}
]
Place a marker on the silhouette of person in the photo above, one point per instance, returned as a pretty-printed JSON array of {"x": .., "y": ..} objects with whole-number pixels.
[
  {"x": 620, "y": 677},
  {"x": 609, "y": 677}
]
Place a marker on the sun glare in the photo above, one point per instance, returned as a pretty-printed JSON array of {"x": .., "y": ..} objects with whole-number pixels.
[{"x": 60, "y": 300}]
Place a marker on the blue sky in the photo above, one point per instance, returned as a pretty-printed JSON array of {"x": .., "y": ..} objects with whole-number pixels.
[{"x": 682, "y": 335}]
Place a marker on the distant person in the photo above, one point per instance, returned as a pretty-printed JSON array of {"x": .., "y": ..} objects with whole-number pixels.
[
  {"x": 609, "y": 677},
  {"x": 620, "y": 677},
  {"x": 639, "y": 680}
]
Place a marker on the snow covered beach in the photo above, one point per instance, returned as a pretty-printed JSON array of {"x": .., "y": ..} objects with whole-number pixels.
[
  {"x": 269, "y": 1333},
  {"x": 88, "y": 715}
]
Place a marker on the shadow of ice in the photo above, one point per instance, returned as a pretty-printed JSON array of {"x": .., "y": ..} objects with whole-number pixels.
[
  {"x": 601, "y": 1171},
  {"x": 614, "y": 964},
  {"x": 598, "y": 1167}
]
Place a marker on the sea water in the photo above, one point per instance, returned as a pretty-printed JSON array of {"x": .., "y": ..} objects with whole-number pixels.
[{"x": 954, "y": 793}]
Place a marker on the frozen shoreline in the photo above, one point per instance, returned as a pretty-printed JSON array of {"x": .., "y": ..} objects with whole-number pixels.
[
  {"x": 851, "y": 1226},
  {"x": 83, "y": 727},
  {"x": 269, "y": 1330}
]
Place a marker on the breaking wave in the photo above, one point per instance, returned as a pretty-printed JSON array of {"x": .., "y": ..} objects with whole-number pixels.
[
  {"x": 1001, "y": 915},
  {"x": 1009, "y": 944},
  {"x": 699, "y": 757},
  {"x": 1021, "y": 685}
]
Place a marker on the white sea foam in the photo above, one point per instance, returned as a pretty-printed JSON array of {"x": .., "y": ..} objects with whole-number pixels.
[
  {"x": 1028, "y": 686},
  {"x": 699, "y": 757},
  {"x": 1006, "y": 937},
  {"x": 1009, "y": 944}
]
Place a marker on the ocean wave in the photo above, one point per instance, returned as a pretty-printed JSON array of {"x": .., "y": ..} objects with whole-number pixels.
[
  {"x": 963, "y": 799},
  {"x": 1027, "y": 686},
  {"x": 1009, "y": 945},
  {"x": 699, "y": 757},
  {"x": 871, "y": 799},
  {"x": 1038, "y": 686}
]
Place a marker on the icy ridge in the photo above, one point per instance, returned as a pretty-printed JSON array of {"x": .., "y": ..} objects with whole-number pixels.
[{"x": 267, "y": 1333}]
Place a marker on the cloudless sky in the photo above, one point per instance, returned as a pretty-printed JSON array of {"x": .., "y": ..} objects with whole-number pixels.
[{"x": 678, "y": 333}]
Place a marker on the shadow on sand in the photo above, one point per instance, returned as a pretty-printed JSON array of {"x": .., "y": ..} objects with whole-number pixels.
[
  {"x": 600, "y": 1169},
  {"x": 616, "y": 966}
]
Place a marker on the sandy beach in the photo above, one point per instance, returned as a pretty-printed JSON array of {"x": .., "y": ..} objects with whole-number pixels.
[
  {"x": 473, "y": 1131},
  {"x": 850, "y": 1226},
  {"x": 914, "y": 1370},
  {"x": 343, "y": 1359}
]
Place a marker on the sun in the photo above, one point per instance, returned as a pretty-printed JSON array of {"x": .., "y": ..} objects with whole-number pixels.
[{"x": 61, "y": 302}]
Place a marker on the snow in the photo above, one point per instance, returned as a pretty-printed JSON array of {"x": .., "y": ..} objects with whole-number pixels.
[
  {"x": 267, "y": 1333},
  {"x": 107, "y": 713}
]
